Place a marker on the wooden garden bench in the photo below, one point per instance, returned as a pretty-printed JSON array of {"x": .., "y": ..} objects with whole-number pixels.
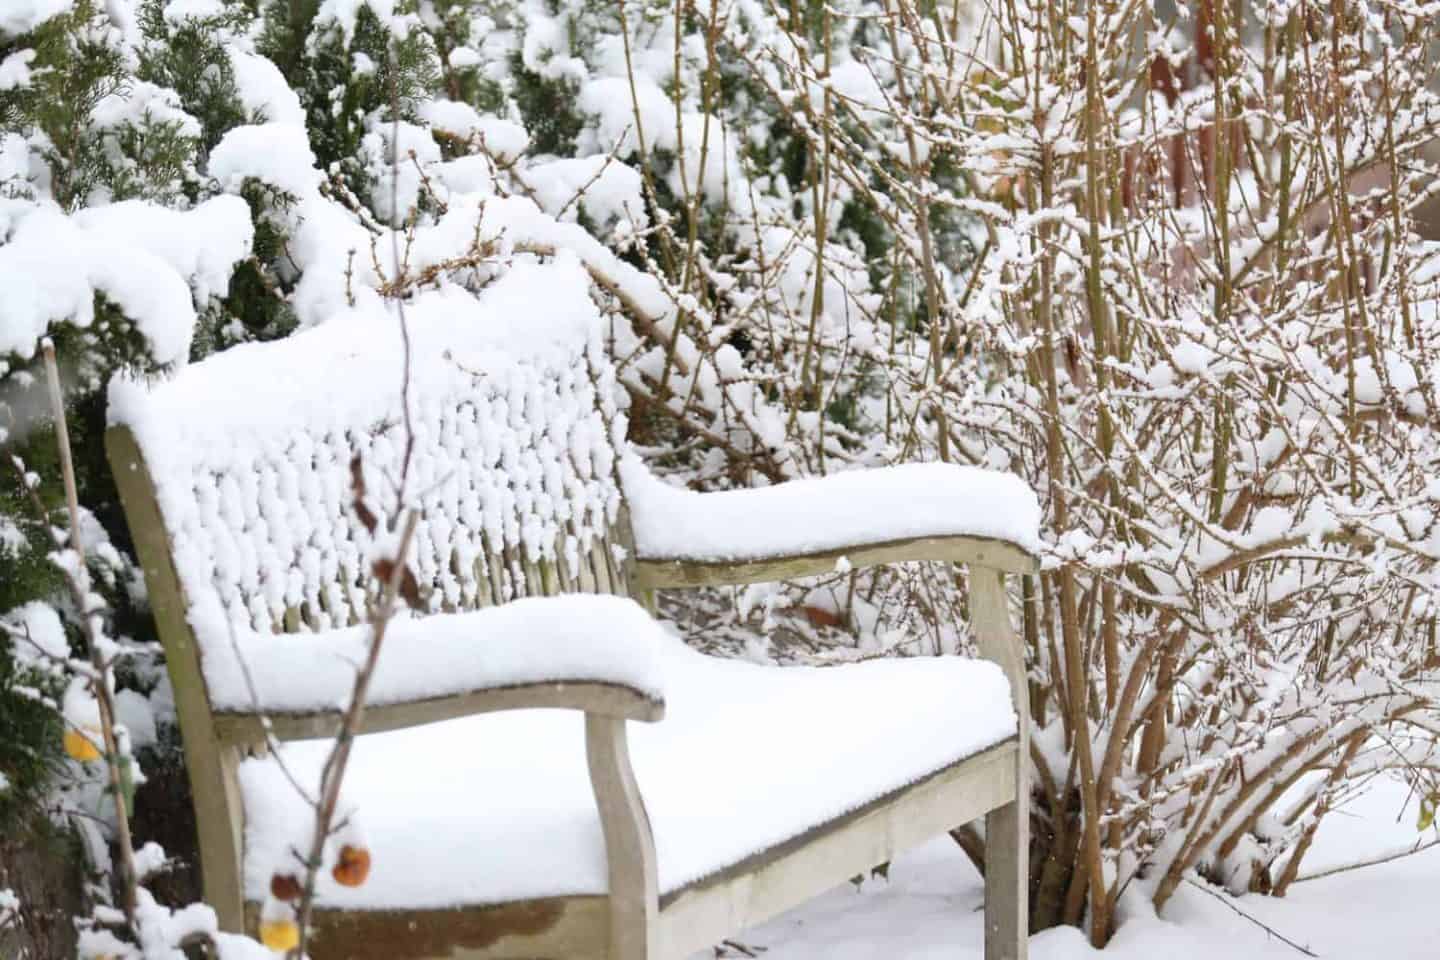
[{"x": 497, "y": 829}]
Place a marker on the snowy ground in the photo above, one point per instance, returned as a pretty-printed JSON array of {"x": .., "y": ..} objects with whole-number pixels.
[{"x": 930, "y": 909}]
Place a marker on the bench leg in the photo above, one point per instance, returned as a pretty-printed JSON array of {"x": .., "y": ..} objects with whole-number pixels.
[
  {"x": 1007, "y": 828},
  {"x": 629, "y": 846},
  {"x": 215, "y": 787},
  {"x": 1007, "y": 882}
]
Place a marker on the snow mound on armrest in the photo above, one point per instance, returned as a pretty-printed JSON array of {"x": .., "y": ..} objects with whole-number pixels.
[{"x": 851, "y": 509}]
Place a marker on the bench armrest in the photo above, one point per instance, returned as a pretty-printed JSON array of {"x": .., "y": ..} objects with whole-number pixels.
[
  {"x": 598, "y": 654},
  {"x": 921, "y": 511}
]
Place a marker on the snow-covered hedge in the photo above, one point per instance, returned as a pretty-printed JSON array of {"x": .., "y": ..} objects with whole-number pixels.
[{"x": 1166, "y": 271}]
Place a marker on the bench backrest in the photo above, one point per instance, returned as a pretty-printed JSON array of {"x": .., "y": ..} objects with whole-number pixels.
[{"x": 250, "y": 459}]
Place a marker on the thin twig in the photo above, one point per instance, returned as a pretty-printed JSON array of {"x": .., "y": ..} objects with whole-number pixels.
[
  {"x": 333, "y": 773},
  {"x": 381, "y": 615},
  {"x": 1419, "y": 847},
  {"x": 1263, "y": 926},
  {"x": 78, "y": 580}
]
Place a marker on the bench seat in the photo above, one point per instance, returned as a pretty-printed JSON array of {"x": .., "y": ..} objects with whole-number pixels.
[{"x": 497, "y": 807}]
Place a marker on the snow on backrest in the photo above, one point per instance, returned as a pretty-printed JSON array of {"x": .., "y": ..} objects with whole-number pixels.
[{"x": 512, "y": 466}]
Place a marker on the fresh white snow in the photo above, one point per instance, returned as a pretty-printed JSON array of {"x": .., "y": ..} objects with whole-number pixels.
[
  {"x": 505, "y": 140},
  {"x": 277, "y": 153},
  {"x": 513, "y": 406},
  {"x": 22, "y": 16},
  {"x": 569, "y": 639},
  {"x": 146, "y": 259},
  {"x": 930, "y": 908},
  {"x": 262, "y": 89},
  {"x": 827, "y": 513}
]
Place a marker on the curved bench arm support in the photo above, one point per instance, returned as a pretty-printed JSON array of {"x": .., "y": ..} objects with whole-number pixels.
[{"x": 629, "y": 845}]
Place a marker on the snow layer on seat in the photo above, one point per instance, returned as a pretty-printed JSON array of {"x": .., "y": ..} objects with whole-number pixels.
[
  {"x": 575, "y": 638},
  {"x": 828, "y": 513},
  {"x": 499, "y": 807}
]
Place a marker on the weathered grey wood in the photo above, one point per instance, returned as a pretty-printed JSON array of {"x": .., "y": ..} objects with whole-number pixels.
[
  {"x": 567, "y": 582},
  {"x": 572, "y": 928},
  {"x": 600, "y": 699},
  {"x": 998, "y": 555},
  {"x": 535, "y": 581},
  {"x": 1007, "y": 883},
  {"x": 509, "y": 569},
  {"x": 493, "y": 564},
  {"x": 584, "y": 572},
  {"x": 484, "y": 593},
  {"x": 776, "y": 880},
  {"x": 599, "y": 569},
  {"x": 629, "y": 847},
  {"x": 622, "y": 571},
  {"x": 1007, "y": 829},
  {"x": 215, "y": 792}
]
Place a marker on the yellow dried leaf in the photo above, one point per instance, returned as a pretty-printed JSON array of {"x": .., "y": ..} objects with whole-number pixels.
[
  {"x": 280, "y": 935},
  {"x": 80, "y": 745}
]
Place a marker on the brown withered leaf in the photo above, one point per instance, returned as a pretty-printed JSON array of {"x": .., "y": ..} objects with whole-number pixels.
[
  {"x": 357, "y": 487},
  {"x": 820, "y": 617},
  {"x": 357, "y": 477},
  {"x": 409, "y": 589},
  {"x": 366, "y": 516}
]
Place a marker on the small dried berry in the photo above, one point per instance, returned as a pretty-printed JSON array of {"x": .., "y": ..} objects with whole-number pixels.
[
  {"x": 353, "y": 866},
  {"x": 285, "y": 886}
]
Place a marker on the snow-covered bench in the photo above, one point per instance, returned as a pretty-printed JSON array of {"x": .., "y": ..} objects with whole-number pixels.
[{"x": 498, "y": 829}]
